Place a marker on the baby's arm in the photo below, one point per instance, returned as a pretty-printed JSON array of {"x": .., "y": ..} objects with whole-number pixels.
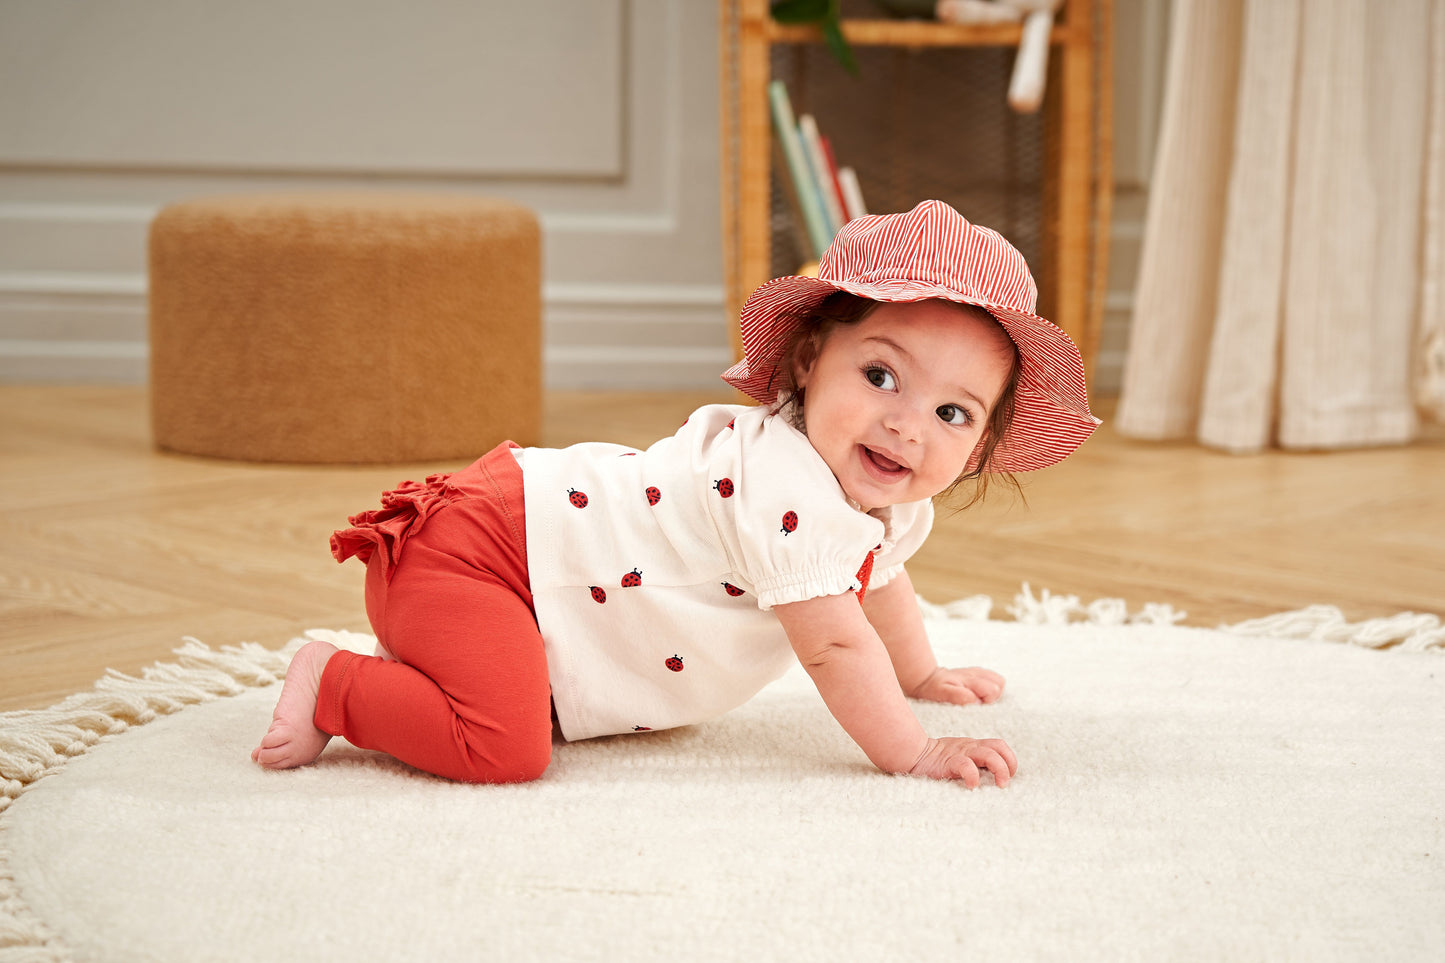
[
  {"x": 893, "y": 612},
  {"x": 851, "y": 667}
]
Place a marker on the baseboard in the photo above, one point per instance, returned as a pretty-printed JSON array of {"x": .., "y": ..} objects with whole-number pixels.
[{"x": 74, "y": 327}]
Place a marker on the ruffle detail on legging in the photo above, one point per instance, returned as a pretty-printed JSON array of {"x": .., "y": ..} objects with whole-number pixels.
[{"x": 387, "y": 528}]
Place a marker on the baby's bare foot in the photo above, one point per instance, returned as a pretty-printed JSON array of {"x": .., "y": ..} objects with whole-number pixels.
[{"x": 293, "y": 739}]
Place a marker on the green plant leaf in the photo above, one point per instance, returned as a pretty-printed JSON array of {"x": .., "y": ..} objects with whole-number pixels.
[
  {"x": 800, "y": 11},
  {"x": 828, "y": 15},
  {"x": 838, "y": 44}
]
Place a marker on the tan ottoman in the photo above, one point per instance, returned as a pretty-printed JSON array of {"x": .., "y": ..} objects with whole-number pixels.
[{"x": 345, "y": 328}]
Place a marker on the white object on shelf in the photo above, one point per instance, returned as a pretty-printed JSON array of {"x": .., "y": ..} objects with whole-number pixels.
[{"x": 1031, "y": 66}]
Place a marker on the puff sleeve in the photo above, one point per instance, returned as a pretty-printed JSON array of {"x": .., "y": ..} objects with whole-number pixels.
[{"x": 788, "y": 529}]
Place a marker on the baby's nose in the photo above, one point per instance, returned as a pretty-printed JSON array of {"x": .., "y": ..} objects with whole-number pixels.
[{"x": 906, "y": 421}]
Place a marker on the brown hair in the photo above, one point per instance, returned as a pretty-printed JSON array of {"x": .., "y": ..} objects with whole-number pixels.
[{"x": 800, "y": 347}]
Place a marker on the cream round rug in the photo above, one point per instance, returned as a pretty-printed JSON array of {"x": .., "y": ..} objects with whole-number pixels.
[{"x": 1261, "y": 792}]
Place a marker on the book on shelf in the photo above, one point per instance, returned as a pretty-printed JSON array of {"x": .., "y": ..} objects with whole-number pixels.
[
  {"x": 822, "y": 171},
  {"x": 792, "y": 219},
  {"x": 822, "y": 196},
  {"x": 798, "y": 171},
  {"x": 835, "y": 181},
  {"x": 852, "y": 192}
]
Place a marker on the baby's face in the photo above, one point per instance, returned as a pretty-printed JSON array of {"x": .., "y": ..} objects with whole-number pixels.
[{"x": 896, "y": 403}]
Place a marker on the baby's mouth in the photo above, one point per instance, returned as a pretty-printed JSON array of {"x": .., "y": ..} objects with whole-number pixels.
[{"x": 882, "y": 462}]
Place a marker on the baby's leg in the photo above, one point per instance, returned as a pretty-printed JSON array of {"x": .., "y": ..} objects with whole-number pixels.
[
  {"x": 467, "y": 696},
  {"x": 293, "y": 739}
]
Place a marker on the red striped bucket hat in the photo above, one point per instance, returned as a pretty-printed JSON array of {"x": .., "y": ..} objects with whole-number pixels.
[{"x": 933, "y": 252}]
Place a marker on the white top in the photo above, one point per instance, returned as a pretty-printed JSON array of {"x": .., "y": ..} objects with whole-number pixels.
[{"x": 653, "y": 571}]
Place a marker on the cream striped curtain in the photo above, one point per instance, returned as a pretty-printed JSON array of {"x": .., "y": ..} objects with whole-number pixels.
[{"x": 1290, "y": 287}]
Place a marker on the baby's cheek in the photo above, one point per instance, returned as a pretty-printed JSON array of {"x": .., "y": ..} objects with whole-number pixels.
[{"x": 958, "y": 463}]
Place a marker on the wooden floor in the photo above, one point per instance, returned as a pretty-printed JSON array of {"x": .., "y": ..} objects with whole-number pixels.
[{"x": 112, "y": 552}]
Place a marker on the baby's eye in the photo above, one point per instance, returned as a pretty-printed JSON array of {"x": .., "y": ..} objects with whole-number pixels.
[
  {"x": 954, "y": 415},
  {"x": 880, "y": 378}
]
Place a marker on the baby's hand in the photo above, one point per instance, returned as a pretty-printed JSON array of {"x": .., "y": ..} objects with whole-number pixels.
[
  {"x": 957, "y": 758},
  {"x": 960, "y": 686}
]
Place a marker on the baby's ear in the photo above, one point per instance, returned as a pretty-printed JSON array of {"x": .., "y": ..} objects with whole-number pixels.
[{"x": 803, "y": 361}]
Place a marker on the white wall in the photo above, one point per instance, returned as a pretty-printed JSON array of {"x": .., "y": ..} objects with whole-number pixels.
[{"x": 600, "y": 115}]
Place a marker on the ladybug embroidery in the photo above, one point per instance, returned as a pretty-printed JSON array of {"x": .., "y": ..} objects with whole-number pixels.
[
  {"x": 732, "y": 423},
  {"x": 790, "y": 522},
  {"x": 642, "y": 728},
  {"x": 653, "y": 496},
  {"x": 598, "y": 595},
  {"x": 724, "y": 487},
  {"x": 632, "y": 579},
  {"x": 577, "y": 498},
  {"x": 733, "y": 590},
  {"x": 675, "y": 663}
]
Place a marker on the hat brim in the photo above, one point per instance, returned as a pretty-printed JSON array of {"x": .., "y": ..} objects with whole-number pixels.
[{"x": 1051, "y": 406}]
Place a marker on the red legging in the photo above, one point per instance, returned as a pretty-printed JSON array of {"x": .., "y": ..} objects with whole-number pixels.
[{"x": 467, "y": 696}]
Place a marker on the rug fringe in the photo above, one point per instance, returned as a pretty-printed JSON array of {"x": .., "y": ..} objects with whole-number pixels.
[
  {"x": 1404, "y": 632},
  {"x": 1051, "y": 609}
]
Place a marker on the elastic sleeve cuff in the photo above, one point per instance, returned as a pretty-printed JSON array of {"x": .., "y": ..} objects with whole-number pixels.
[{"x": 819, "y": 583}]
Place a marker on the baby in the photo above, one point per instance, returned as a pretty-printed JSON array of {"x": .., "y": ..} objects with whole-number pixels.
[{"x": 615, "y": 590}]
